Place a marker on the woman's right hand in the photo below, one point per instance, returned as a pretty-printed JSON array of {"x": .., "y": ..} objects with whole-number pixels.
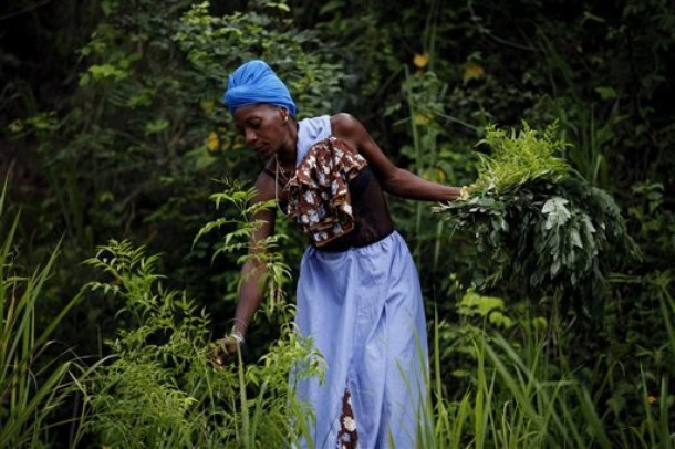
[{"x": 225, "y": 348}]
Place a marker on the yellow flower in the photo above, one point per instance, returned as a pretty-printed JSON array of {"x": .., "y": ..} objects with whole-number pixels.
[
  {"x": 212, "y": 142},
  {"x": 473, "y": 71},
  {"x": 423, "y": 118},
  {"x": 651, "y": 399},
  {"x": 421, "y": 60}
]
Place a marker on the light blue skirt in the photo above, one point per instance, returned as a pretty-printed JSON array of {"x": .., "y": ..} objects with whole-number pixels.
[{"x": 363, "y": 309}]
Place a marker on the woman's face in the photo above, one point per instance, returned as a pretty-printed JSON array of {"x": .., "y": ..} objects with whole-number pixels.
[{"x": 263, "y": 126}]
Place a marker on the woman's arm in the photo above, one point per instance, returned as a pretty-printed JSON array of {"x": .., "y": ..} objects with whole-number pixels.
[
  {"x": 254, "y": 268},
  {"x": 397, "y": 181}
]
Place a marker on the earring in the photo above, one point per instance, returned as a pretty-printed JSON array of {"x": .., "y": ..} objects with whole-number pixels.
[{"x": 285, "y": 118}]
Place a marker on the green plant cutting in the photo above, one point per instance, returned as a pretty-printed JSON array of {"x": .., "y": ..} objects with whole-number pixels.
[{"x": 536, "y": 219}]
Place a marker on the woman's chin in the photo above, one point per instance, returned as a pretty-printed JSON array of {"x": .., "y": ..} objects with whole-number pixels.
[{"x": 263, "y": 152}]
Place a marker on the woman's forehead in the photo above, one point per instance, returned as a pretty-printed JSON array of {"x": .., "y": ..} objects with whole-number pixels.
[{"x": 243, "y": 112}]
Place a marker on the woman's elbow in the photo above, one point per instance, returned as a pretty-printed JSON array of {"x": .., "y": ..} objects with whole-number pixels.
[{"x": 391, "y": 182}]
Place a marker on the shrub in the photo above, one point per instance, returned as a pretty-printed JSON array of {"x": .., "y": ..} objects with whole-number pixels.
[{"x": 157, "y": 387}]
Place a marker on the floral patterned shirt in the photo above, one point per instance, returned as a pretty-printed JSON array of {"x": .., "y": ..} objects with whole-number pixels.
[{"x": 318, "y": 191}]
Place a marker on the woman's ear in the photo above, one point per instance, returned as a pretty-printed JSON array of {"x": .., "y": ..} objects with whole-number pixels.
[{"x": 283, "y": 112}]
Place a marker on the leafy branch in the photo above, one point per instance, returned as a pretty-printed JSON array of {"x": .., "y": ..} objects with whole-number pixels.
[
  {"x": 239, "y": 237},
  {"x": 537, "y": 221}
]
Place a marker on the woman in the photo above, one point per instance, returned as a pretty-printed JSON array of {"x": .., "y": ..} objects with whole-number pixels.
[{"x": 358, "y": 292}]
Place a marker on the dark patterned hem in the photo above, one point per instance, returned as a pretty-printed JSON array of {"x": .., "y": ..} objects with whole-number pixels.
[{"x": 347, "y": 437}]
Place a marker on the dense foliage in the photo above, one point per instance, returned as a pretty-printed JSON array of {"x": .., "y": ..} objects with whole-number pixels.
[
  {"x": 156, "y": 387},
  {"x": 537, "y": 221},
  {"x": 552, "y": 282}
]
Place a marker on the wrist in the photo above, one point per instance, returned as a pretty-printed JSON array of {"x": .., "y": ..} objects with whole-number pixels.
[
  {"x": 237, "y": 336},
  {"x": 231, "y": 337},
  {"x": 239, "y": 326}
]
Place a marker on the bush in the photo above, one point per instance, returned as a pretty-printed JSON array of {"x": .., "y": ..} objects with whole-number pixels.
[{"x": 157, "y": 387}]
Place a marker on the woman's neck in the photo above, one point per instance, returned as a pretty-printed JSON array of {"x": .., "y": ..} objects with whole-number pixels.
[{"x": 289, "y": 149}]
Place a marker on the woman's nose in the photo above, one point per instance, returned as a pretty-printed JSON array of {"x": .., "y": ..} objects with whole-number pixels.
[{"x": 251, "y": 137}]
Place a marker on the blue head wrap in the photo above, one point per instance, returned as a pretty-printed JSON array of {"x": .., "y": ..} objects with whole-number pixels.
[{"x": 254, "y": 82}]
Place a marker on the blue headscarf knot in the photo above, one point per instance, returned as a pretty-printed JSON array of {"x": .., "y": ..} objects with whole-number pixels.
[{"x": 255, "y": 82}]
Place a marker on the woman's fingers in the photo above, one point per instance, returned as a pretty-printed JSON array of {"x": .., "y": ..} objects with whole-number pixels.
[
  {"x": 227, "y": 345},
  {"x": 222, "y": 350},
  {"x": 233, "y": 346},
  {"x": 218, "y": 359}
]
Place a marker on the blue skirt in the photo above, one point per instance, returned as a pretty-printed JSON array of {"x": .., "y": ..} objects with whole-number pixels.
[{"x": 363, "y": 309}]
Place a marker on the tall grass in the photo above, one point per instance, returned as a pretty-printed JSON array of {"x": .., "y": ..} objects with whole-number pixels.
[
  {"x": 31, "y": 385},
  {"x": 512, "y": 400}
]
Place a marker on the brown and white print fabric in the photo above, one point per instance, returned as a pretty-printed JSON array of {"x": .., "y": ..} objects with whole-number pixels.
[{"x": 318, "y": 191}]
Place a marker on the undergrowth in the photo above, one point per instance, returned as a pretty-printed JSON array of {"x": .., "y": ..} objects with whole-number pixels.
[
  {"x": 517, "y": 395},
  {"x": 33, "y": 381},
  {"x": 157, "y": 387}
]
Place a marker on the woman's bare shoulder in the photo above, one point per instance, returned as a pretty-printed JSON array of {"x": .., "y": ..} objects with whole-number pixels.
[{"x": 344, "y": 125}]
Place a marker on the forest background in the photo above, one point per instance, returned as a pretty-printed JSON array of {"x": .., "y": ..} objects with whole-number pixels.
[{"x": 111, "y": 127}]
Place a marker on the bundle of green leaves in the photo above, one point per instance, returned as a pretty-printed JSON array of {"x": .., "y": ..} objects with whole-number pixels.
[{"x": 536, "y": 220}]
